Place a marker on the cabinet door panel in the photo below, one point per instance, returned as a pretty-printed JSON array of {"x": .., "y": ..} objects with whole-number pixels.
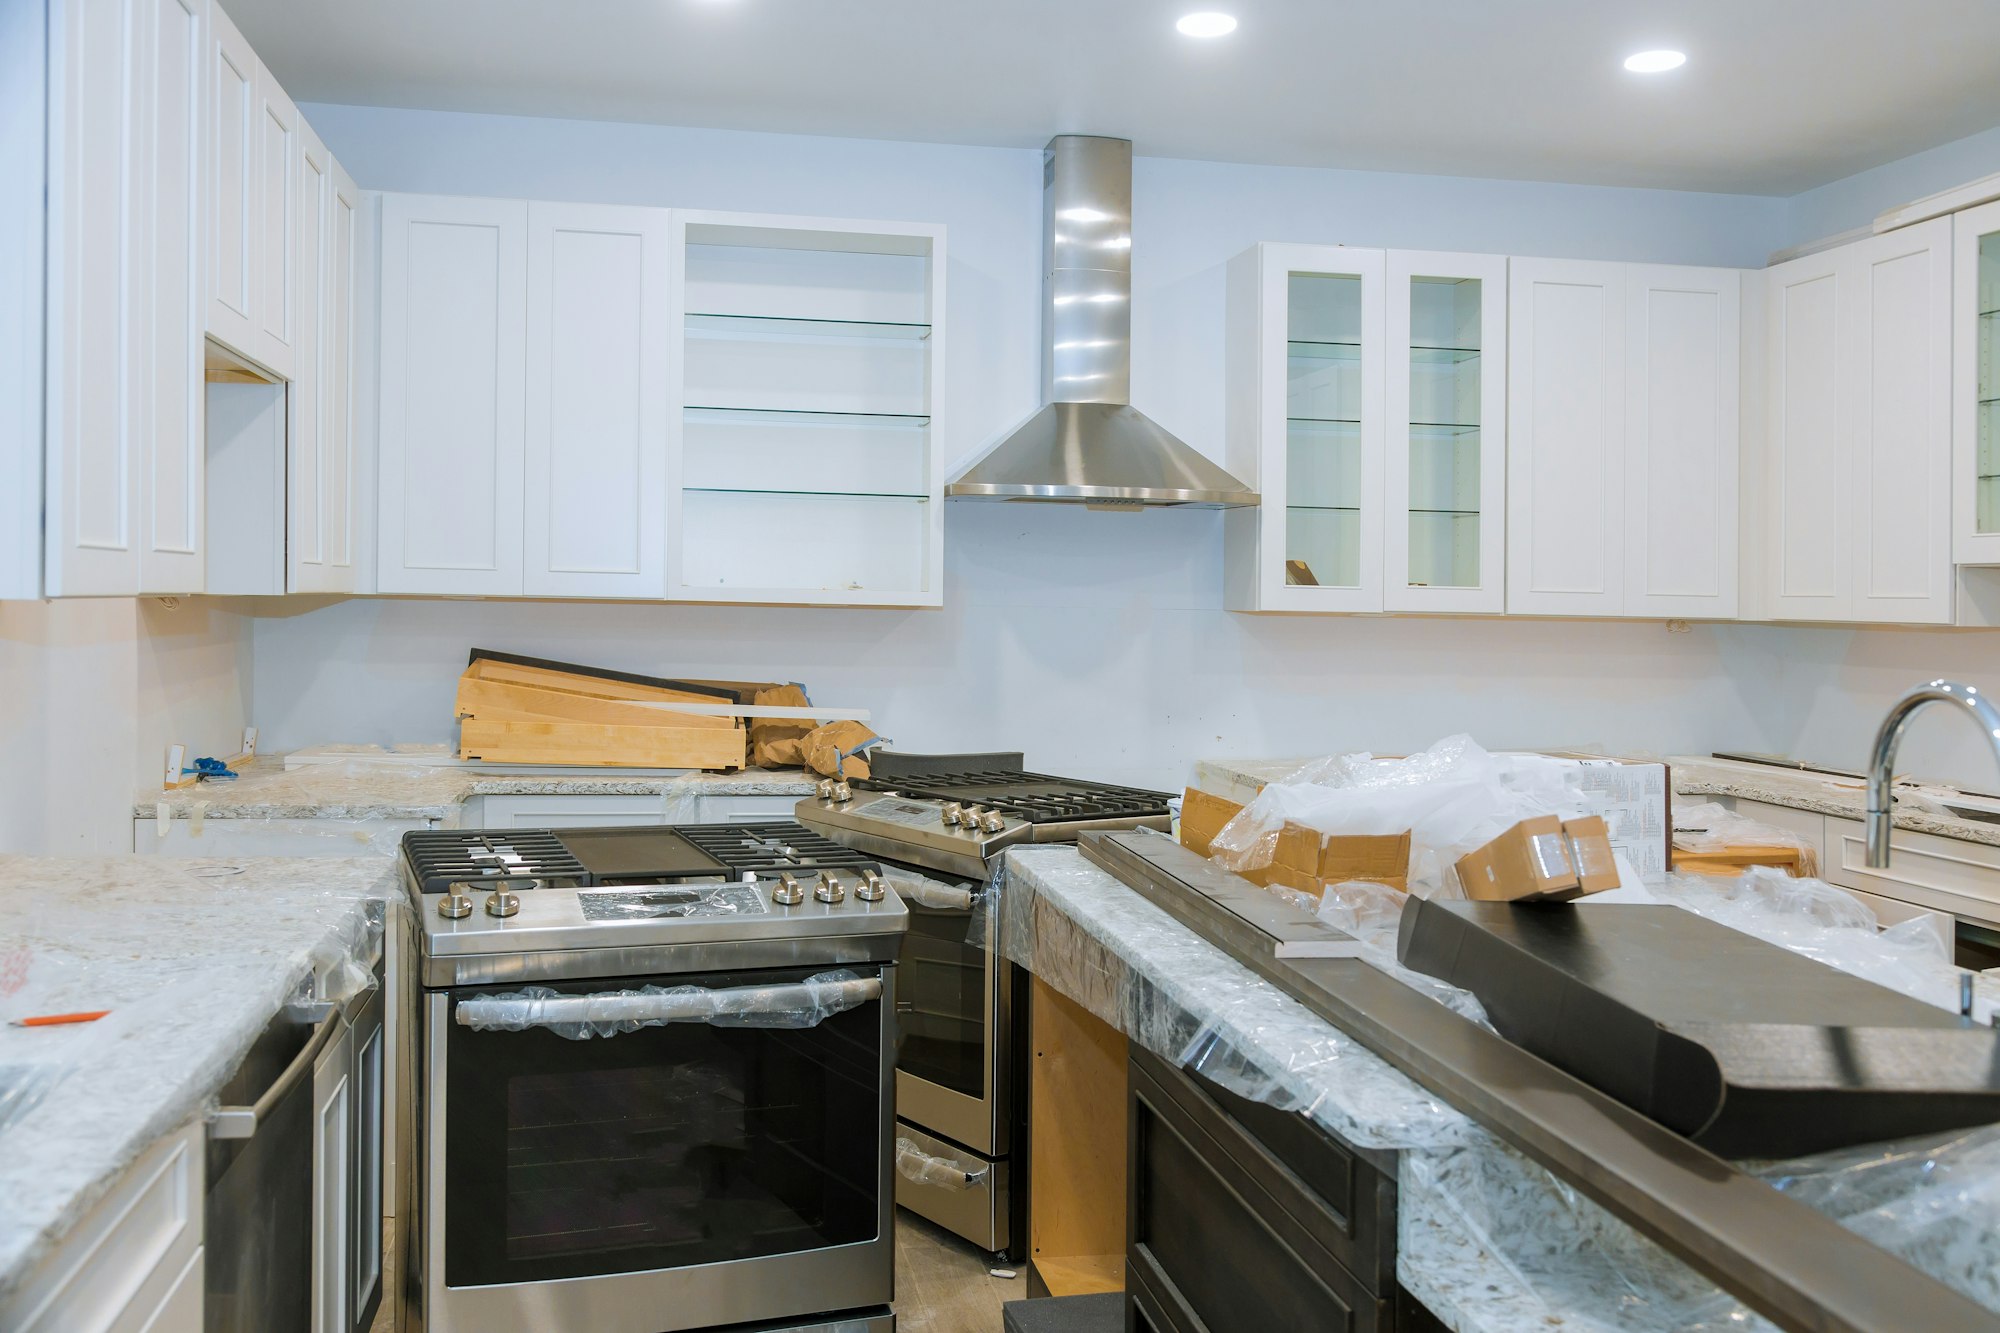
[
  {"x": 1683, "y": 353},
  {"x": 1807, "y": 323},
  {"x": 321, "y": 534},
  {"x": 333, "y": 1169},
  {"x": 1975, "y": 406},
  {"x": 306, "y": 472},
  {"x": 97, "y": 336},
  {"x": 1566, "y": 419},
  {"x": 278, "y": 143},
  {"x": 172, "y": 478},
  {"x": 596, "y": 401},
  {"x": 452, "y": 358},
  {"x": 234, "y": 234},
  {"x": 1901, "y": 377}
]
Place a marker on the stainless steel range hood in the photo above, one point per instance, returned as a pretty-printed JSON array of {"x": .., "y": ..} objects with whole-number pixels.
[{"x": 1087, "y": 444}]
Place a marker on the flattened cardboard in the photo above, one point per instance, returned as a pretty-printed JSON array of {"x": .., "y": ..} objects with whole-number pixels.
[
  {"x": 1202, "y": 817},
  {"x": 1529, "y": 861}
]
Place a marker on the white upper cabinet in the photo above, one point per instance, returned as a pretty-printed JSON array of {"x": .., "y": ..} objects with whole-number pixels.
[
  {"x": 1683, "y": 358},
  {"x": 235, "y": 229},
  {"x": 1857, "y": 466},
  {"x": 1975, "y": 407},
  {"x": 805, "y": 458},
  {"x": 123, "y": 416},
  {"x": 1308, "y": 382},
  {"x": 1445, "y": 454},
  {"x": 599, "y": 334},
  {"x": 1623, "y": 439},
  {"x": 452, "y": 356},
  {"x": 23, "y": 246},
  {"x": 278, "y": 142},
  {"x": 325, "y": 506},
  {"x": 1565, "y": 431}
]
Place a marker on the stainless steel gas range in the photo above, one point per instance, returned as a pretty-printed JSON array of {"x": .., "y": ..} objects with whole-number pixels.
[
  {"x": 938, "y": 824},
  {"x": 656, "y": 1070}
]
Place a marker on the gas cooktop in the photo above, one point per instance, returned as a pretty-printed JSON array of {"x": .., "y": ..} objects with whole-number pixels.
[{"x": 613, "y": 893}]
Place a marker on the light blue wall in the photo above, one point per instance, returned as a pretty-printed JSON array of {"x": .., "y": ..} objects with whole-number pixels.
[{"x": 1854, "y": 201}]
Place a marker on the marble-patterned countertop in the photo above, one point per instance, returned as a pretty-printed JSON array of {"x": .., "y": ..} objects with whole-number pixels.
[
  {"x": 1240, "y": 779},
  {"x": 1487, "y": 1240},
  {"x": 365, "y": 789},
  {"x": 193, "y": 958}
]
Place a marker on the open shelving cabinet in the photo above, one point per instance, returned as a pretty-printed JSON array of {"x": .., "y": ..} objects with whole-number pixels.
[{"x": 807, "y": 455}]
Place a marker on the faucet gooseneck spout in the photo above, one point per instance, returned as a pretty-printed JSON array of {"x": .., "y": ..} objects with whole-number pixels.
[{"x": 1882, "y": 759}]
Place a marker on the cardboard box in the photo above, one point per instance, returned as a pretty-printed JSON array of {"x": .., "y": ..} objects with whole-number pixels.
[
  {"x": 1590, "y": 853},
  {"x": 1529, "y": 861},
  {"x": 1202, "y": 817},
  {"x": 1309, "y": 860}
]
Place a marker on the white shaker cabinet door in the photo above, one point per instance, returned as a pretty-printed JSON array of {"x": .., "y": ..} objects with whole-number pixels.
[
  {"x": 323, "y": 524},
  {"x": 1683, "y": 377},
  {"x": 1565, "y": 423},
  {"x": 1900, "y": 421},
  {"x": 332, "y": 1177},
  {"x": 312, "y": 260},
  {"x": 452, "y": 360},
  {"x": 1975, "y": 394},
  {"x": 23, "y": 250},
  {"x": 597, "y": 387},
  {"x": 235, "y": 251},
  {"x": 278, "y": 142},
  {"x": 1808, "y": 324}
]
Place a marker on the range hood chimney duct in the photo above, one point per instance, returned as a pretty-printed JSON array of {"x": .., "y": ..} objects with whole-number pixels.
[{"x": 1087, "y": 444}]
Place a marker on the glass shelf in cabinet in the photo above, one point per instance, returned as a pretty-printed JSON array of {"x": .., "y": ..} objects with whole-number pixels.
[
  {"x": 805, "y": 415},
  {"x": 802, "y": 327},
  {"x": 1443, "y": 356},
  {"x": 1446, "y": 513},
  {"x": 1326, "y": 509},
  {"x": 1322, "y": 421}
]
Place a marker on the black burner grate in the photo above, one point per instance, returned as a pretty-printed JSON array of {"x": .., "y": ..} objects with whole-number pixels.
[
  {"x": 437, "y": 857},
  {"x": 1035, "y": 797},
  {"x": 772, "y": 847}
]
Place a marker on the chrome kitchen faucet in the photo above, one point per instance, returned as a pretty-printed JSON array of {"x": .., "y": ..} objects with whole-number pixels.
[{"x": 1882, "y": 759}]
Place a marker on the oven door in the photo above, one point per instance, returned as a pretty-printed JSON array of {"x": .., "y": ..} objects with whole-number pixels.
[
  {"x": 674, "y": 1175},
  {"x": 954, "y": 1025}
]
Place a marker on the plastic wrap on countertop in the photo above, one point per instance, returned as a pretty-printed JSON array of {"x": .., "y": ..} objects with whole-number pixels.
[
  {"x": 922, "y": 1168},
  {"x": 1704, "y": 826},
  {"x": 1450, "y": 798},
  {"x": 801, "y": 1004},
  {"x": 1142, "y": 972}
]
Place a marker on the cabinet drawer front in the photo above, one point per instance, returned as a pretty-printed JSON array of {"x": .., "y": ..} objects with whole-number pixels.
[
  {"x": 1216, "y": 1241},
  {"x": 558, "y": 811},
  {"x": 729, "y": 809},
  {"x": 121, "y": 1261},
  {"x": 1942, "y": 873}
]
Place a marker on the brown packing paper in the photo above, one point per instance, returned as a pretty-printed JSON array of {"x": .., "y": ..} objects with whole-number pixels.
[
  {"x": 1530, "y": 860},
  {"x": 779, "y": 742},
  {"x": 822, "y": 747}
]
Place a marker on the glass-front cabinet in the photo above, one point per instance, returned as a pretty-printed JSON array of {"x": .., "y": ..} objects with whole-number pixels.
[
  {"x": 1366, "y": 404},
  {"x": 1445, "y": 471},
  {"x": 1976, "y": 385}
]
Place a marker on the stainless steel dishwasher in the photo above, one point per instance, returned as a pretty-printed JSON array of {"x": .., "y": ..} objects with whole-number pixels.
[{"x": 259, "y": 1210}]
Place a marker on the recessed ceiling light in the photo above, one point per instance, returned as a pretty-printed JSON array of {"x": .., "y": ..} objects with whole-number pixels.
[
  {"x": 1208, "y": 23},
  {"x": 1655, "y": 62}
]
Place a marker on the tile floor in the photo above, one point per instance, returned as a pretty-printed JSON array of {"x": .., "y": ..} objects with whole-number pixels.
[{"x": 942, "y": 1282}]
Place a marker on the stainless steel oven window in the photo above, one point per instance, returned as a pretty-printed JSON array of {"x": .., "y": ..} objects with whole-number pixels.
[{"x": 665, "y": 1148}]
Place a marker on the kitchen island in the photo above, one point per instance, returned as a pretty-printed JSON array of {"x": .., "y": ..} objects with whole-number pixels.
[
  {"x": 1484, "y": 1239},
  {"x": 192, "y": 958}
]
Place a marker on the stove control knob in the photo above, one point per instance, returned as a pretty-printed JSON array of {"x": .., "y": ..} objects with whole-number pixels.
[
  {"x": 787, "y": 892},
  {"x": 842, "y": 793},
  {"x": 952, "y": 811},
  {"x": 871, "y": 889},
  {"x": 502, "y": 903},
  {"x": 992, "y": 822},
  {"x": 455, "y": 902},
  {"x": 824, "y": 789},
  {"x": 828, "y": 888}
]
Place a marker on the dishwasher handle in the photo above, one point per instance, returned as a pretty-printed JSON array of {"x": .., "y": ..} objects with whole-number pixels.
[{"x": 240, "y": 1122}]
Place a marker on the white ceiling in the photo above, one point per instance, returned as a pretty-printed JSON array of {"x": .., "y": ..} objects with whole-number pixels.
[{"x": 1777, "y": 95}]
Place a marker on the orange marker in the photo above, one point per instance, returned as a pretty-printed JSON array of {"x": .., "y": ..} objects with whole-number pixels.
[{"x": 51, "y": 1020}]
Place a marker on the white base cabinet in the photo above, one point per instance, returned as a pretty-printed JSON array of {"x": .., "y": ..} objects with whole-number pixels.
[{"x": 134, "y": 1263}]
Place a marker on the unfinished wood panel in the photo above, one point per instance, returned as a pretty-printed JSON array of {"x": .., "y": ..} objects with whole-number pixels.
[
  {"x": 600, "y": 686},
  {"x": 497, "y": 699},
  {"x": 1076, "y": 1201},
  {"x": 557, "y": 742}
]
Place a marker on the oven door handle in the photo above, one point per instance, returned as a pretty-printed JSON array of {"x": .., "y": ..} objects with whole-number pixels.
[{"x": 797, "y": 1004}]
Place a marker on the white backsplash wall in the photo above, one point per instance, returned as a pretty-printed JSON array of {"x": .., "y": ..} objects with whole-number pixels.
[{"x": 1092, "y": 641}]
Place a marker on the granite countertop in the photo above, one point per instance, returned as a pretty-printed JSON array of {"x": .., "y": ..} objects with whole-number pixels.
[
  {"x": 1844, "y": 798},
  {"x": 362, "y": 789},
  {"x": 193, "y": 958},
  {"x": 1486, "y": 1239}
]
